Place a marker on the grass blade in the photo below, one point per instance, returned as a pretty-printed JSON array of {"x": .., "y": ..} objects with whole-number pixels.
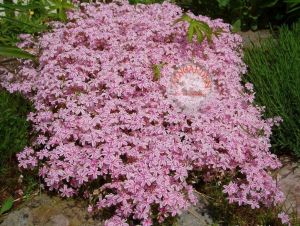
[{"x": 15, "y": 53}]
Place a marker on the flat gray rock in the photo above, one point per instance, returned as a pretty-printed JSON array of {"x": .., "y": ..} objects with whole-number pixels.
[
  {"x": 288, "y": 178},
  {"x": 18, "y": 218},
  {"x": 196, "y": 216},
  {"x": 254, "y": 37},
  {"x": 44, "y": 210}
]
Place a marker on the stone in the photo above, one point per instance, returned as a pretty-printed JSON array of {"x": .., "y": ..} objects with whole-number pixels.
[
  {"x": 196, "y": 215},
  {"x": 58, "y": 220},
  {"x": 193, "y": 217},
  {"x": 254, "y": 37},
  {"x": 44, "y": 210},
  {"x": 20, "y": 217},
  {"x": 288, "y": 178}
]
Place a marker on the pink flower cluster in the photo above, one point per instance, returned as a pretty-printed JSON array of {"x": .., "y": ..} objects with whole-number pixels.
[{"x": 100, "y": 116}]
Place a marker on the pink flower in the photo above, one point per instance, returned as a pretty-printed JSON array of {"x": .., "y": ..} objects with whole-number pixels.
[
  {"x": 66, "y": 192},
  {"x": 101, "y": 119},
  {"x": 284, "y": 218},
  {"x": 90, "y": 209}
]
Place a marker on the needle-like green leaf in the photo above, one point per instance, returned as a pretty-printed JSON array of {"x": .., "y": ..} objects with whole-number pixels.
[
  {"x": 15, "y": 52},
  {"x": 190, "y": 33}
]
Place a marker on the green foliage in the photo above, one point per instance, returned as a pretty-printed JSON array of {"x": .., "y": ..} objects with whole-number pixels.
[
  {"x": 27, "y": 18},
  {"x": 156, "y": 71},
  {"x": 293, "y": 8},
  {"x": 15, "y": 53},
  {"x": 274, "y": 69},
  {"x": 31, "y": 184},
  {"x": 198, "y": 28},
  {"x": 246, "y": 13},
  {"x": 60, "y": 7},
  {"x": 243, "y": 14},
  {"x": 14, "y": 128},
  {"x": 7, "y": 205},
  {"x": 22, "y": 19}
]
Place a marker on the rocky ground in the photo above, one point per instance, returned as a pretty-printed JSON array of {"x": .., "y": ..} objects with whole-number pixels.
[
  {"x": 289, "y": 182},
  {"x": 44, "y": 210}
]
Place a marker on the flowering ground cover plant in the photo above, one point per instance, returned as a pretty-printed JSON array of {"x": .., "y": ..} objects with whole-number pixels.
[{"x": 102, "y": 119}]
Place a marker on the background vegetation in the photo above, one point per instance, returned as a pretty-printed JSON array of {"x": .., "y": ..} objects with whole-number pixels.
[
  {"x": 27, "y": 17},
  {"x": 274, "y": 69},
  {"x": 14, "y": 128},
  {"x": 242, "y": 14}
]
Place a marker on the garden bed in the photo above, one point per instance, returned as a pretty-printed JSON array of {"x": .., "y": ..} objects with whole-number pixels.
[{"x": 109, "y": 127}]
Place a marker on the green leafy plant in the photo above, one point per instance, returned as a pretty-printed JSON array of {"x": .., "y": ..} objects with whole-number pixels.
[
  {"x": 198, "y": 28},
  {"x": 274, "y": 69},
  {"x": 14, "y": 128},
  {"x": 27, "y": 18},
  {"x": 15, "y": 52},
  {"x": 293, "y": 5},
  {"x": 242, "y": 14},
  {"x": 293, "y": 8},
  {"x": 246, "y": 13},
  {"x": 60, "y": 7},
  {"x": 7, "y": 205},
  {"x": 20, "y": 19}
]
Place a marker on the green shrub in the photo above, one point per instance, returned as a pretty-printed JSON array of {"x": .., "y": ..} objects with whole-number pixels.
[
  {"x": 274, "y": 69},
  {"x": 27, "y": 17},
  {"x": 243, "y": 14},
  {"x": 14, "y": 128}
]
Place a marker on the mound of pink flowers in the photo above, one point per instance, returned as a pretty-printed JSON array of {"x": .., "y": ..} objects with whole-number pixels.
[{"x": 102, "y": 120}]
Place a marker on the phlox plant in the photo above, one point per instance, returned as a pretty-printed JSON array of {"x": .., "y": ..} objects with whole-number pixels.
[{"x": 101, "y": 117}]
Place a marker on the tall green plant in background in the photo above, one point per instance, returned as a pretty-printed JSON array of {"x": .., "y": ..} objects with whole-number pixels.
[
  {"x": 246, "y": 13},
  {"x": 293, "y": 8},
  {"x": 242, "y": 14},
  {"x": 27, "y": 17},
  {"x": 274, "y": 69}
]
